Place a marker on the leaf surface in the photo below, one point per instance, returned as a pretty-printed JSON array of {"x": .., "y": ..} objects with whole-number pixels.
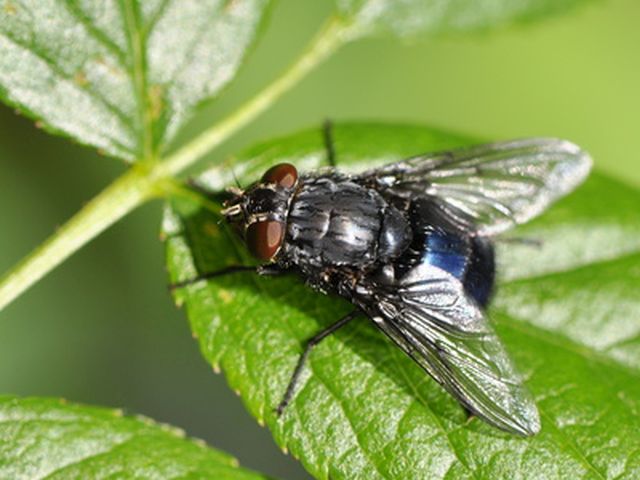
[
  {"x": 568, "y": 312},
  {"x": 121, "y": 75},
  {"x": 47, "y": 438},
  {"x": 406, "y": 18}
]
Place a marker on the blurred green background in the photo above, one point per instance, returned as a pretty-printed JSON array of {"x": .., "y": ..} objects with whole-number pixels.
[{"x": 102, "y": 329}]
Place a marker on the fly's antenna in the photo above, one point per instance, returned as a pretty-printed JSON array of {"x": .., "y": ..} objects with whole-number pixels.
[
  {"x": 235, "y": 190},
  {"x": 235, "y": 179}
]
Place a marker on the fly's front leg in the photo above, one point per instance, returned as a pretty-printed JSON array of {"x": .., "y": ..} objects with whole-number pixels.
[
  {"x": 271, "y": 269},
  {"x": 260, "y": 270},
  {"x": 216, "y": 273},
  {"x": 312, "y": 342}
]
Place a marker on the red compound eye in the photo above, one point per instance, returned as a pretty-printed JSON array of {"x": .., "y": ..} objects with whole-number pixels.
[
  {"x": 283, "y": 174},
  {"x": 264, "y": 238}
]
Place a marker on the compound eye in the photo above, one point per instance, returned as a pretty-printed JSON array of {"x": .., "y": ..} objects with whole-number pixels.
[
  {"x": 283, "y": 174},
  {"x": 264, "y": 238}
]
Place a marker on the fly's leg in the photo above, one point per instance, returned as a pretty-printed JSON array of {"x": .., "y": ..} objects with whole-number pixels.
[
  {"x": 529, "y": 242},
  {"x": 327, "y": 136},
  {"x": 261, "y": 270},
  {"x": 312, "y": 342},
  {"x": 208, "y": 275},
  {"x": 468, "y": 413}
]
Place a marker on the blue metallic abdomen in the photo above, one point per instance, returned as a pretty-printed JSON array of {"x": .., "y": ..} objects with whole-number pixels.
[
  {"x": 447, "y": 251},
  {"x": 469, "y": 259},
  {"x": 437, "y": 241}
]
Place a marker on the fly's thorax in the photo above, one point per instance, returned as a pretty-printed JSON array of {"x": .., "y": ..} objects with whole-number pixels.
[{"x": 334, "y": 222}]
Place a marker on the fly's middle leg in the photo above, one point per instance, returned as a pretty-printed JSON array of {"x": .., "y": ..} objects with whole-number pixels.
[
  {"x": 327, "y": 137},
  {"x": 312, "y": 342}
]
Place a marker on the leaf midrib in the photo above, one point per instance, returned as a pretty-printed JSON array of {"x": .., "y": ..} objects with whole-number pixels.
[{"x": 137, "y": 40}]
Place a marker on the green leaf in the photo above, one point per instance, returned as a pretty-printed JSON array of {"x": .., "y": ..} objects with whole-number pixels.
[
  {"x": 48, "y": 438},
  {"x": 407, "y": 18},
  {"x": 568, "y": 312},
  {"x": 121, "y": 75}
]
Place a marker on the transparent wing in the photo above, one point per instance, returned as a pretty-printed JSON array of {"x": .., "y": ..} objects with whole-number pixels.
[
  {"x": 431, "y": 318},
  {"x": 488, "y": 188}
]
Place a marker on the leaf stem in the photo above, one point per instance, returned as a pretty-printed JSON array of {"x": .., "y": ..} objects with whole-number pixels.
[
  {"x": 113, "y": 203},
  {"x": 335, "y": 33},
  {"x": 144, "y": 181}
]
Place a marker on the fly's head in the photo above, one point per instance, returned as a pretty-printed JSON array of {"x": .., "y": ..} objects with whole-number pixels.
[{"x": 259, "y": 213}]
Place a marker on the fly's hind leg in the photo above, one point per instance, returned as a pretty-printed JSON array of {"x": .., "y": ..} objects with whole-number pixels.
[
  {"x": 526, "y": 241},
  {"x": 312, "y": 342},
  {"x": 327, "y": 137}
]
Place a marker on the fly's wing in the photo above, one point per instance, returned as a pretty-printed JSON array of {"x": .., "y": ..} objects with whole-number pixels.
[
  {"x": 488, "y": 188},
  {"x": 432, "y": 319}
]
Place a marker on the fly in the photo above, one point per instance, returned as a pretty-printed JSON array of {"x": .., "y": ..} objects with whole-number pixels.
[{"x": 410, "y": 245}]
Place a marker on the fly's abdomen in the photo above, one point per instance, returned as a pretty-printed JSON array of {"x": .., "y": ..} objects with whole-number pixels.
[
  {"x": 447, "y": 251},
  {"x": 437, "y": 241},
  {"x": 480, "y": 278},
  {"x": 469, "y": 259}
]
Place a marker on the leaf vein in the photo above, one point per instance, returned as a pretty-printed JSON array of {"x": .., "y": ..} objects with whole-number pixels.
[
  {"x": 574, "y": 268},
  {"x": 563, "y": 438},
  {"x": 92, "y": 456},
  {"x": 55, "y": 69},
  {"x": 557, "y": 339},
  {"x": 437, "y": 421},
  {"x": 156, "y": 17},
  {"x": 76, "y": 12},
  {"x": 340, "y": 402}
]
